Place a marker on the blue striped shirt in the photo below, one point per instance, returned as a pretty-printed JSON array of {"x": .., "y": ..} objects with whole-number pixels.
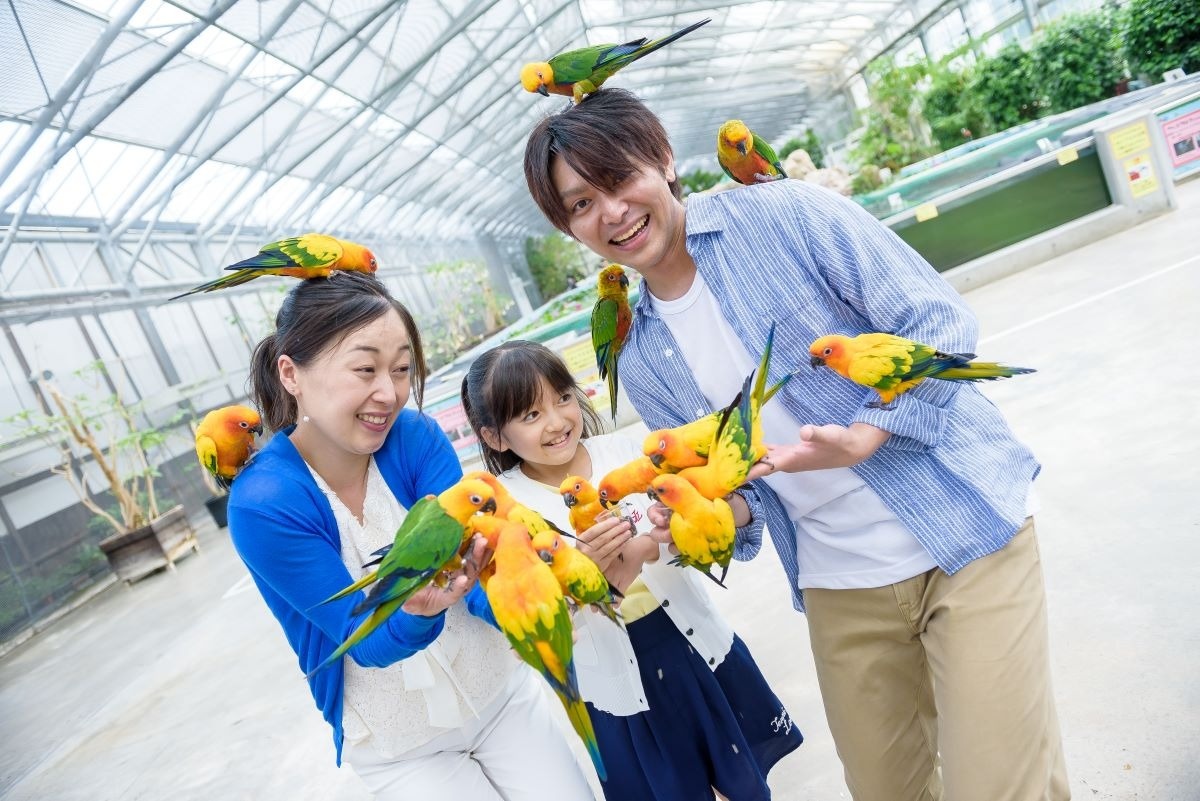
[{"x": 814, "y": 263}]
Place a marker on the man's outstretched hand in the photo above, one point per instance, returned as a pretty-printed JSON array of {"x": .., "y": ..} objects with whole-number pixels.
[{"x": 821, "y": 448}]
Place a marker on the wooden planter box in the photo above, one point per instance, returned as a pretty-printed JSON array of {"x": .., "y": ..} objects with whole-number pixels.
[{"x": 138, "y": 553}]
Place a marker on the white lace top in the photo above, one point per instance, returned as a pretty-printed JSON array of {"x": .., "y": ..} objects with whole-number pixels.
[{"x": 406, "y": 704}]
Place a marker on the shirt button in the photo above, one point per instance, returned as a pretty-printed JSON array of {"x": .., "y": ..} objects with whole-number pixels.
[
  {"x": 699, "y": 413},
  {"x": 712, "y": 661},
  {"x": 668, "y": 352},
  {"x": 690, "y": 632},
  {"x": 666, "y": 602}
]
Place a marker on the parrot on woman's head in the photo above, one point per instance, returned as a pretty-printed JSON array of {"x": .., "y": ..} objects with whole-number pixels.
[
  {"x": 429, "y": 538},
  {"x": 892, "y": 365},
  {"x": 746, "y": 157},
  {"x": 307, "y": 256},
  {"x": 576, "y": 73},
  {"x": 225, "y": 441},
  {"x": 530, "y": 609},
  {"x": 611, "y": 318},
  {"x": 702, "y": 530}
]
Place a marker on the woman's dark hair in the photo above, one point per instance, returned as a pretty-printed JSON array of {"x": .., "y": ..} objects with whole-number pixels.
[
  {"x": 317, "y": 314},
  {"x": 606, "y": 138},
  {"x": 505, "y": 382}
]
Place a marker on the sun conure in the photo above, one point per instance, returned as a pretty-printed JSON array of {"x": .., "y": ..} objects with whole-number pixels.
[
  {"x": 582, "y": 500},
  {"x": 702, "y": 530},
  {"x": 611, "y": 318},
  {"x": 531, "y": 611},
  {"x": 732, "y": 452},
  {"x": 892, "y": 365},
  {"x": 307, "y": 256},
  {"x": 578, "y": 576},
  {"x": 429, "y": 537},
  {"x": 746, "y": 157},
  {"x": 576, "y": 73},
  {"x": 225, "y": 441},
  {"x": 628, "y": 479}
]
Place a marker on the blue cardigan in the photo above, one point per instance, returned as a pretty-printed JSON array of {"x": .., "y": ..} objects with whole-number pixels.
[{"x": 284, "y": 530}]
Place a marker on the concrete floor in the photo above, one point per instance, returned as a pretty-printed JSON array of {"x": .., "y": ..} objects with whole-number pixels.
[{"x": 183, "y": 687}]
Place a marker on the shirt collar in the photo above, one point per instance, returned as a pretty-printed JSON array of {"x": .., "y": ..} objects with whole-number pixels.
[{"x": 702, "y": 215}]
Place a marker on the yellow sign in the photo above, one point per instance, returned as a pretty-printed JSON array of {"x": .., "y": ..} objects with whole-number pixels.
[
  {"x": 1068, "y": 155},
  {"x": 1141, "y": 175},
  {"x": 1129, "y": 140},
  {"x": 926, "y": 211},
  {"x": 579, "y": 356}
]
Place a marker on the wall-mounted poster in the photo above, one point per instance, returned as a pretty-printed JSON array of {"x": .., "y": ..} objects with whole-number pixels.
[{"x": 1181, "y": 129}]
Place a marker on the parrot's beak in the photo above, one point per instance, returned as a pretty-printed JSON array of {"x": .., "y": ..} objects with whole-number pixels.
[
  {"x": 605, "y": 502},
  {"x": 569, "y": 499},
  {"x": 546, "y": 556},
  {"x": 542, "y": 90},
  {"x": 489, "y": 506},
  {"x": 742, "y": 147},
  {"x": 657, "y": 460},
  {"x": 816, "y": 361},
  {"x": 258, "y": 429},
  {"x": 624, "y": 282},
  {"x": 653, "y": 495}
]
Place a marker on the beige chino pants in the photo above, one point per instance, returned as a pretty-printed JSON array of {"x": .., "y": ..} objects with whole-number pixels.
[{"x": 956, "y": 666}]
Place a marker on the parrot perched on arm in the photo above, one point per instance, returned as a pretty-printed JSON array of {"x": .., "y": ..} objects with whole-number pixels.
[
  {"x": 746, "y": 157},
  {"x": 611, "y": 318},
  {"x": 579, "y": 577},
  {"x": 892, "y": 365},
  {"x": 530, "y": 609},
  {"x": 576, "y": 73},
  {"x": 628, "y": 479},
  {"x": 307, "y": 256},
  {"x": 430, "y": 536},
  {"x": 225, "y": 441},
  {"x": 702, "y": 530}
]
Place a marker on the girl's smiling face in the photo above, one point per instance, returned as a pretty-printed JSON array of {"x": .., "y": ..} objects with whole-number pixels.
[{"x": 546, "y": 436}]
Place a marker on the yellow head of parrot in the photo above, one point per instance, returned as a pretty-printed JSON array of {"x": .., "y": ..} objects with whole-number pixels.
[
  {"x": 735, "y": 134},
  {"x": 668, "y": 489},
  {"x": 235, "y": 421},
  {"x": 828, "y": 350},
  {"x": 536, "y": 76},
  {"x": 612, "y": 275}
]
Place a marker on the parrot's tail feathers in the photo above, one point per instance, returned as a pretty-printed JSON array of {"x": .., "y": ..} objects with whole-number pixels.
[
  {"x": 355, "y": 587},
  {"x": 666, "y": 40},
  {"x": 720, "y": 582},
  {"x": 582, "y": 723},
  {"x": 778, "y": 385},
  {"x": 223, "y": 282},
  {"x": 264, "y": 260},
  {"x": 224, "y": 483},
  {"x": 378, "y": 556},
  {"x": 606, "y": 608},
  {"x": 983, "y": 371},
  {"x": 612, "y": 392},
  {"x": 764, "y": 364}
]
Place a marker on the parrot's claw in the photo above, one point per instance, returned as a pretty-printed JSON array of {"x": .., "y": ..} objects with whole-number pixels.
[
  {"x": 765, "y": 179},
  {"x": 887, "y": 407}
]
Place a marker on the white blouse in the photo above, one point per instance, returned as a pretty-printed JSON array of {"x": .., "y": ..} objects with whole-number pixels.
[
  {"x": 406, "y": 704},
  {"x": 604, "y": 658}
]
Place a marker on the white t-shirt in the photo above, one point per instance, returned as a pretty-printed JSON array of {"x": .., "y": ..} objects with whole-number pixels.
[{"x": 845, "y": 536}]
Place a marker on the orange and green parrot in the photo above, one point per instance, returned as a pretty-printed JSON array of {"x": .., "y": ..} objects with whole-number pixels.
[
  {"x": 746, "y": 157},
  {"x": 430, "y": 536},
  {"x": 578, "y": 577},
  {"x": 225, "y": 441},
  {"x": 702, "y": 529},
  {"x": 583, "y": 502},
  {"x": 531, "y": 611},
  {"x": 307, "y": 256},
  {"x": 611, "y": 318},
  {"x": 892, "y": 365},
  {"x": 628, "y": 479},
  {"x": 732, "y": 452},
  {"x": 580, "y": 72}
]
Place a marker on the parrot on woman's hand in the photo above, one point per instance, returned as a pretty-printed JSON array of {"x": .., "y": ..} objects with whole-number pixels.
[
  {"x": 225, "y": 441},
  {"x": 508, "y": 508},
  {"x": 576, "y": 73},
  {"x": 530, "y": 609},
  {"x": 628, "y": 479},
  {"x": 578, "y": 576},
  {"x": 611, "y": 318},
  {"x": 583, "y": 502},
  {"x": 892, "y": 365},
  {"x": 307, "y": 256},
  {"x": 430, "y": 537},
  {"x": 746, "y": 157},
  {"x": 702, "y": 530}
]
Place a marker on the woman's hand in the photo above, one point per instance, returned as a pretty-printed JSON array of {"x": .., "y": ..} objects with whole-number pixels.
[
  {"x": 433, "y": 600},
  {"x": 603, "y": 541}
]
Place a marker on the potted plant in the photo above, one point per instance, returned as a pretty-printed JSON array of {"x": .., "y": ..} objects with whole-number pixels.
[{"x": 143, "y": 538}]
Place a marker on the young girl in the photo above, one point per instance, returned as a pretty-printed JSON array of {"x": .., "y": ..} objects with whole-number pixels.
[
  {"x": 678, "y": 704},
  {"x": 433, "y": 703}
]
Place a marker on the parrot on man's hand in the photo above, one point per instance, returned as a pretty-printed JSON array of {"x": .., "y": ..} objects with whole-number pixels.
[
  {"x": 583, "y": 502},
  {"x": 578, "y": 576},
  {"x": 611, "y": 318},
  {"x": 307, "y": 256},
  {"x": 631, "y": 478},
  {"x": 225, "y": 441},
  {"x": 892, "y": 365},
  {"x": 576, "y": 73},
  {"x": 746, "y": 157},
  {"x": 430, "y": 536},
  {"x": 732, "y": 452},
  {"x": 531, "y": 611},
  {"x": 702, "y": 530}
]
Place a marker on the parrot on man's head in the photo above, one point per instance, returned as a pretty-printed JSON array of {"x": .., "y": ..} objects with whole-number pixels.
[
  {"x": 746, "y": 157},
  {"x": 611, "y": 319},
  {"x": 307, "y": 256},
  {"x": 225, "y": 441},
  {"x": 576, "y": 73},
  {"x": 892, "y": 365}
]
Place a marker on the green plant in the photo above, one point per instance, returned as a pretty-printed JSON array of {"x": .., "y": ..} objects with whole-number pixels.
[
  {"x": 953, "y": 111},
  {"x": 1075, "y": 60},
  {"x": 1006, "y": 88},
  {"x": 468, "y": 309},
  {"x": 1160, "y": 35},
  {"x": 789, "y": 147},
  {"x": 554, "y": 261},
  {"x": 698, "y": 180},
  {"x": 892, "y": 137},
  {"x": 867, "y": 179},
  {"x": 810, "y": 144}
]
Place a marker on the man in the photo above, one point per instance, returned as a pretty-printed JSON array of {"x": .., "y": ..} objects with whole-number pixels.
[{"x": 905, "y": 534}]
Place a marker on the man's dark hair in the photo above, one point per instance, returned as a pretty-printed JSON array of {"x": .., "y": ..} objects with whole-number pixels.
[{"x": 606, "y": 138}]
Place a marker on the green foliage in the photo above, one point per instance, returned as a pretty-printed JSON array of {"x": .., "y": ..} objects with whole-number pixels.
[
  {"x": 1161, "y": 35},
  {"x": 468, "y": 309},
  {"x": 698, "y": 180},
  {"x": 1075, "y": 60},
  {"x": 810, "y": 144},
  {"x": 1005, "y": 88},
  {"x": 789, "y": 147},
  {"x": 953, "y": 111},
  {"x": 867, "y": 179},
  {"x": 891, "y": 139},
  {"x": 554, "y": 261}
]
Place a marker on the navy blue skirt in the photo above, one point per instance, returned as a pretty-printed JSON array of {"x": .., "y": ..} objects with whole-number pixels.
[{"x": 704, "y": 728}]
